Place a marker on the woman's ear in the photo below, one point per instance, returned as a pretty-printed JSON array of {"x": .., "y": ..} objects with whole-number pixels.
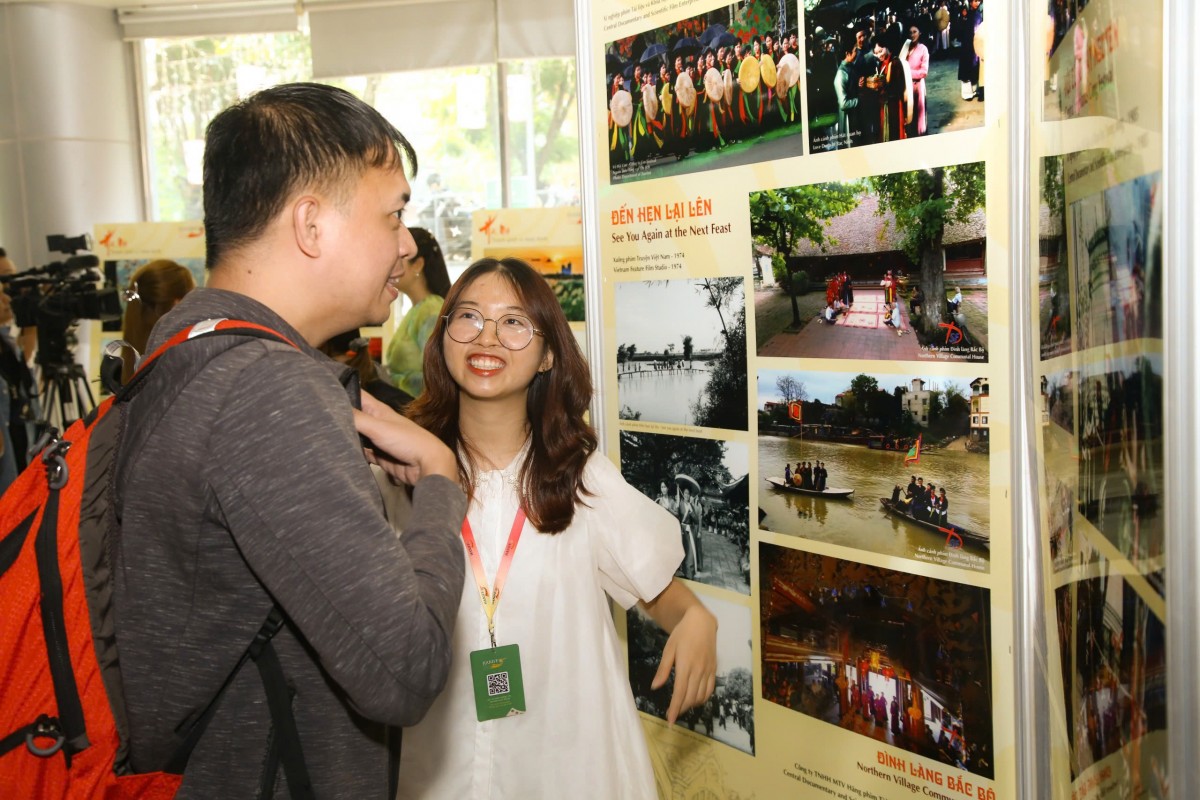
[{"x": 547, "y": 361}]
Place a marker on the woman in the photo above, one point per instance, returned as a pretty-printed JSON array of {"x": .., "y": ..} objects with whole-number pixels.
[
  {"x": 154, "y": 289},
  {"x": 916, "y": 55},
  {"x": 507, "y": 388},
  {"x": 424, "y": 282},
  {"x": 891, "y": 94}
]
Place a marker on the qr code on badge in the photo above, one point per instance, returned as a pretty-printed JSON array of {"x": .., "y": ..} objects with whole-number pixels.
[{"x": 497, "y": 683}]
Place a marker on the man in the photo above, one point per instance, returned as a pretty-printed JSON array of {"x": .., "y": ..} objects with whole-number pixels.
[
  {"x": 920, "y": 501},
  {"x": 846, "y": 83},
  {"x": 866, "y": 67},
  {"x": 242, "y": 483}
]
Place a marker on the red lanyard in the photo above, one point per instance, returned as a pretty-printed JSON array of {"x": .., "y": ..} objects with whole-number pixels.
[{"x": 492, "y": 599}]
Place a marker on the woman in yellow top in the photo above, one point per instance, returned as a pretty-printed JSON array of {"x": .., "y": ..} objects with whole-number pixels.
[{"x": 425, "y": 283}]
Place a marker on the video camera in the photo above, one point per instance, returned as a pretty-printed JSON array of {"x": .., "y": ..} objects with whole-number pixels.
[{"x": 55, "y": 296}]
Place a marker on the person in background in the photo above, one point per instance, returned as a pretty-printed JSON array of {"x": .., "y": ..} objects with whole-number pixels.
[
  {"x": 507, "y": 388},
  {"x": 916, "y": 303},
  {"x": 425, "y": 282},
  {"x": 916, "y": 55},
  {"x": 18, "y": 393},
  {"x": 846, "y": 83},
  {"x": 154, "y": 289},
  {"x": 955, "y": 302},
  {"x": 890, "y": 92}
]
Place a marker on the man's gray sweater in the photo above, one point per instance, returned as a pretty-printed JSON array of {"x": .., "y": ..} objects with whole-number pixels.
[{"x": 241, "y": 483}]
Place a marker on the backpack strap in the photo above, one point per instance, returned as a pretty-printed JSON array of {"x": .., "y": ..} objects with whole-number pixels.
[
  {"x": 285, "y": 737},
  {"x": 206, "y": 328},
  {"x": 284, "y": 745}
]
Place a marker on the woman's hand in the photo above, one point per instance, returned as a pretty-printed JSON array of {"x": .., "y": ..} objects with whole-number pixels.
[
  {"x": 401, "y": 448},
  {"x": 691, "y": 648}
]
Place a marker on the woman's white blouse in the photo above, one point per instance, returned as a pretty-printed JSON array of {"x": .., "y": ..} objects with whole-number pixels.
[{"x": 581, "y": 736}]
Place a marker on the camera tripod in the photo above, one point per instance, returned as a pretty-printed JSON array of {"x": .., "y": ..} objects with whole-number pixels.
[{"x": 67, "y": 393}]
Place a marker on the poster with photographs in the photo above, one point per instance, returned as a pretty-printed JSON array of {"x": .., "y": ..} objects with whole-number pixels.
[
  {"x": 1116, "y": 259},
  {"x": 900, "y": 659},
  {"x": 682, "y": 352},
  {"x": 1121, "y": 476},
  {"x": 728, "y": 716},
  {"x": 705, "y": 483},
  {"x": 703, "y": 92},
  {"x": 851, "y": 258},
  {"x": 1114, "y": 676},
  {"x": 890, "y": 267},
  {"x": 892, "y": 464},
  {"x": 1103, "y": 59},
  {"x": 884, "y": 73},
  {"x": 1101, "y": 303},
  {"x": 548, "y": 239}
]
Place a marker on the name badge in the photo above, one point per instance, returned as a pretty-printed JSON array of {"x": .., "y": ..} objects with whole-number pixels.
[{"x": 499, "y": 689}]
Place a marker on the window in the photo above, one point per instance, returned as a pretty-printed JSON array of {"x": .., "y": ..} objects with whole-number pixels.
[
  {"x": 186, "y": 82},
  {"x": 543, "y": 133},
  {"x": 452, "y": 116}
]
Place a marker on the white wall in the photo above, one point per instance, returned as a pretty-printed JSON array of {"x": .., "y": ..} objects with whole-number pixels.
[{"x": 69, "y": 154}]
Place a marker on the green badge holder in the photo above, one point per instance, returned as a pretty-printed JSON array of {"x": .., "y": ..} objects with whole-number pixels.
[{"x": 499, "y": 688}]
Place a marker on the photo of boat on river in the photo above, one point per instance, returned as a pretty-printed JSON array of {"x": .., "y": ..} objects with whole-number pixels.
[{"x": 935, "y": 436}]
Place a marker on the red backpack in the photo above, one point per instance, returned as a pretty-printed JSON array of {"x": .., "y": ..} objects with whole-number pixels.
[{"x": 62, "y": 718}]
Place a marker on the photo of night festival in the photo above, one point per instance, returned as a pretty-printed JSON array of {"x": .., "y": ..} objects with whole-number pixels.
[{"x": 903, "y": 659}]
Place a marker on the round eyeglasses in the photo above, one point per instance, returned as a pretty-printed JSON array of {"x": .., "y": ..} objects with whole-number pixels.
[{"x": 515, "y": 332}]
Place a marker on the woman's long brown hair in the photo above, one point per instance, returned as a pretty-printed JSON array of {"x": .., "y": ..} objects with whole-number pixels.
[
  {"x": 551, "y": 478},
  {"x": 158, "y": 285}
]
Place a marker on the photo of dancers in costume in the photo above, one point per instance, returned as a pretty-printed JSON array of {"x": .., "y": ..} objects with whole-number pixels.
[
  {"x": 716, "y": 90},
  {"x": 875, "y": 75}
]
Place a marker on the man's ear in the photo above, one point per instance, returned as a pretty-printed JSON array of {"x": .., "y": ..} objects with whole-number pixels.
[{"x": 306, "y": 225}]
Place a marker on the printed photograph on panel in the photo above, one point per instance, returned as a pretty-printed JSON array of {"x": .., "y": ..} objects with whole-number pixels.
[
  {"x": 715, "y": 90},
  {"x": 728, "y": 716},
  {"x": 681, "y": 351},
  {"x": 1061, "y": 455},
  {"x": 890, "y": 267},
  {"x": 1116, "y": 257},
  {"x": 893, "y": 464},
  {"x": 901, "y": 659},
  {"x": 705, "y": 483},
  {"x": 1121, "y": 453},
  {"x": 1117, "y": 704},
  {"x": 880, "y": 73},
  {"x": 1103, "y": 58},
  {"x": 1054, "y": 285}
]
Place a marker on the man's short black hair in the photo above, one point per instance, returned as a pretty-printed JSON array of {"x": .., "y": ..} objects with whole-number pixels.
[{"x": 262, "y": 150}]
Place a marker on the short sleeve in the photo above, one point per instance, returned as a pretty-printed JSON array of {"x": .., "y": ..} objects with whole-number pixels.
[{"x": 637, "y": 542}]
